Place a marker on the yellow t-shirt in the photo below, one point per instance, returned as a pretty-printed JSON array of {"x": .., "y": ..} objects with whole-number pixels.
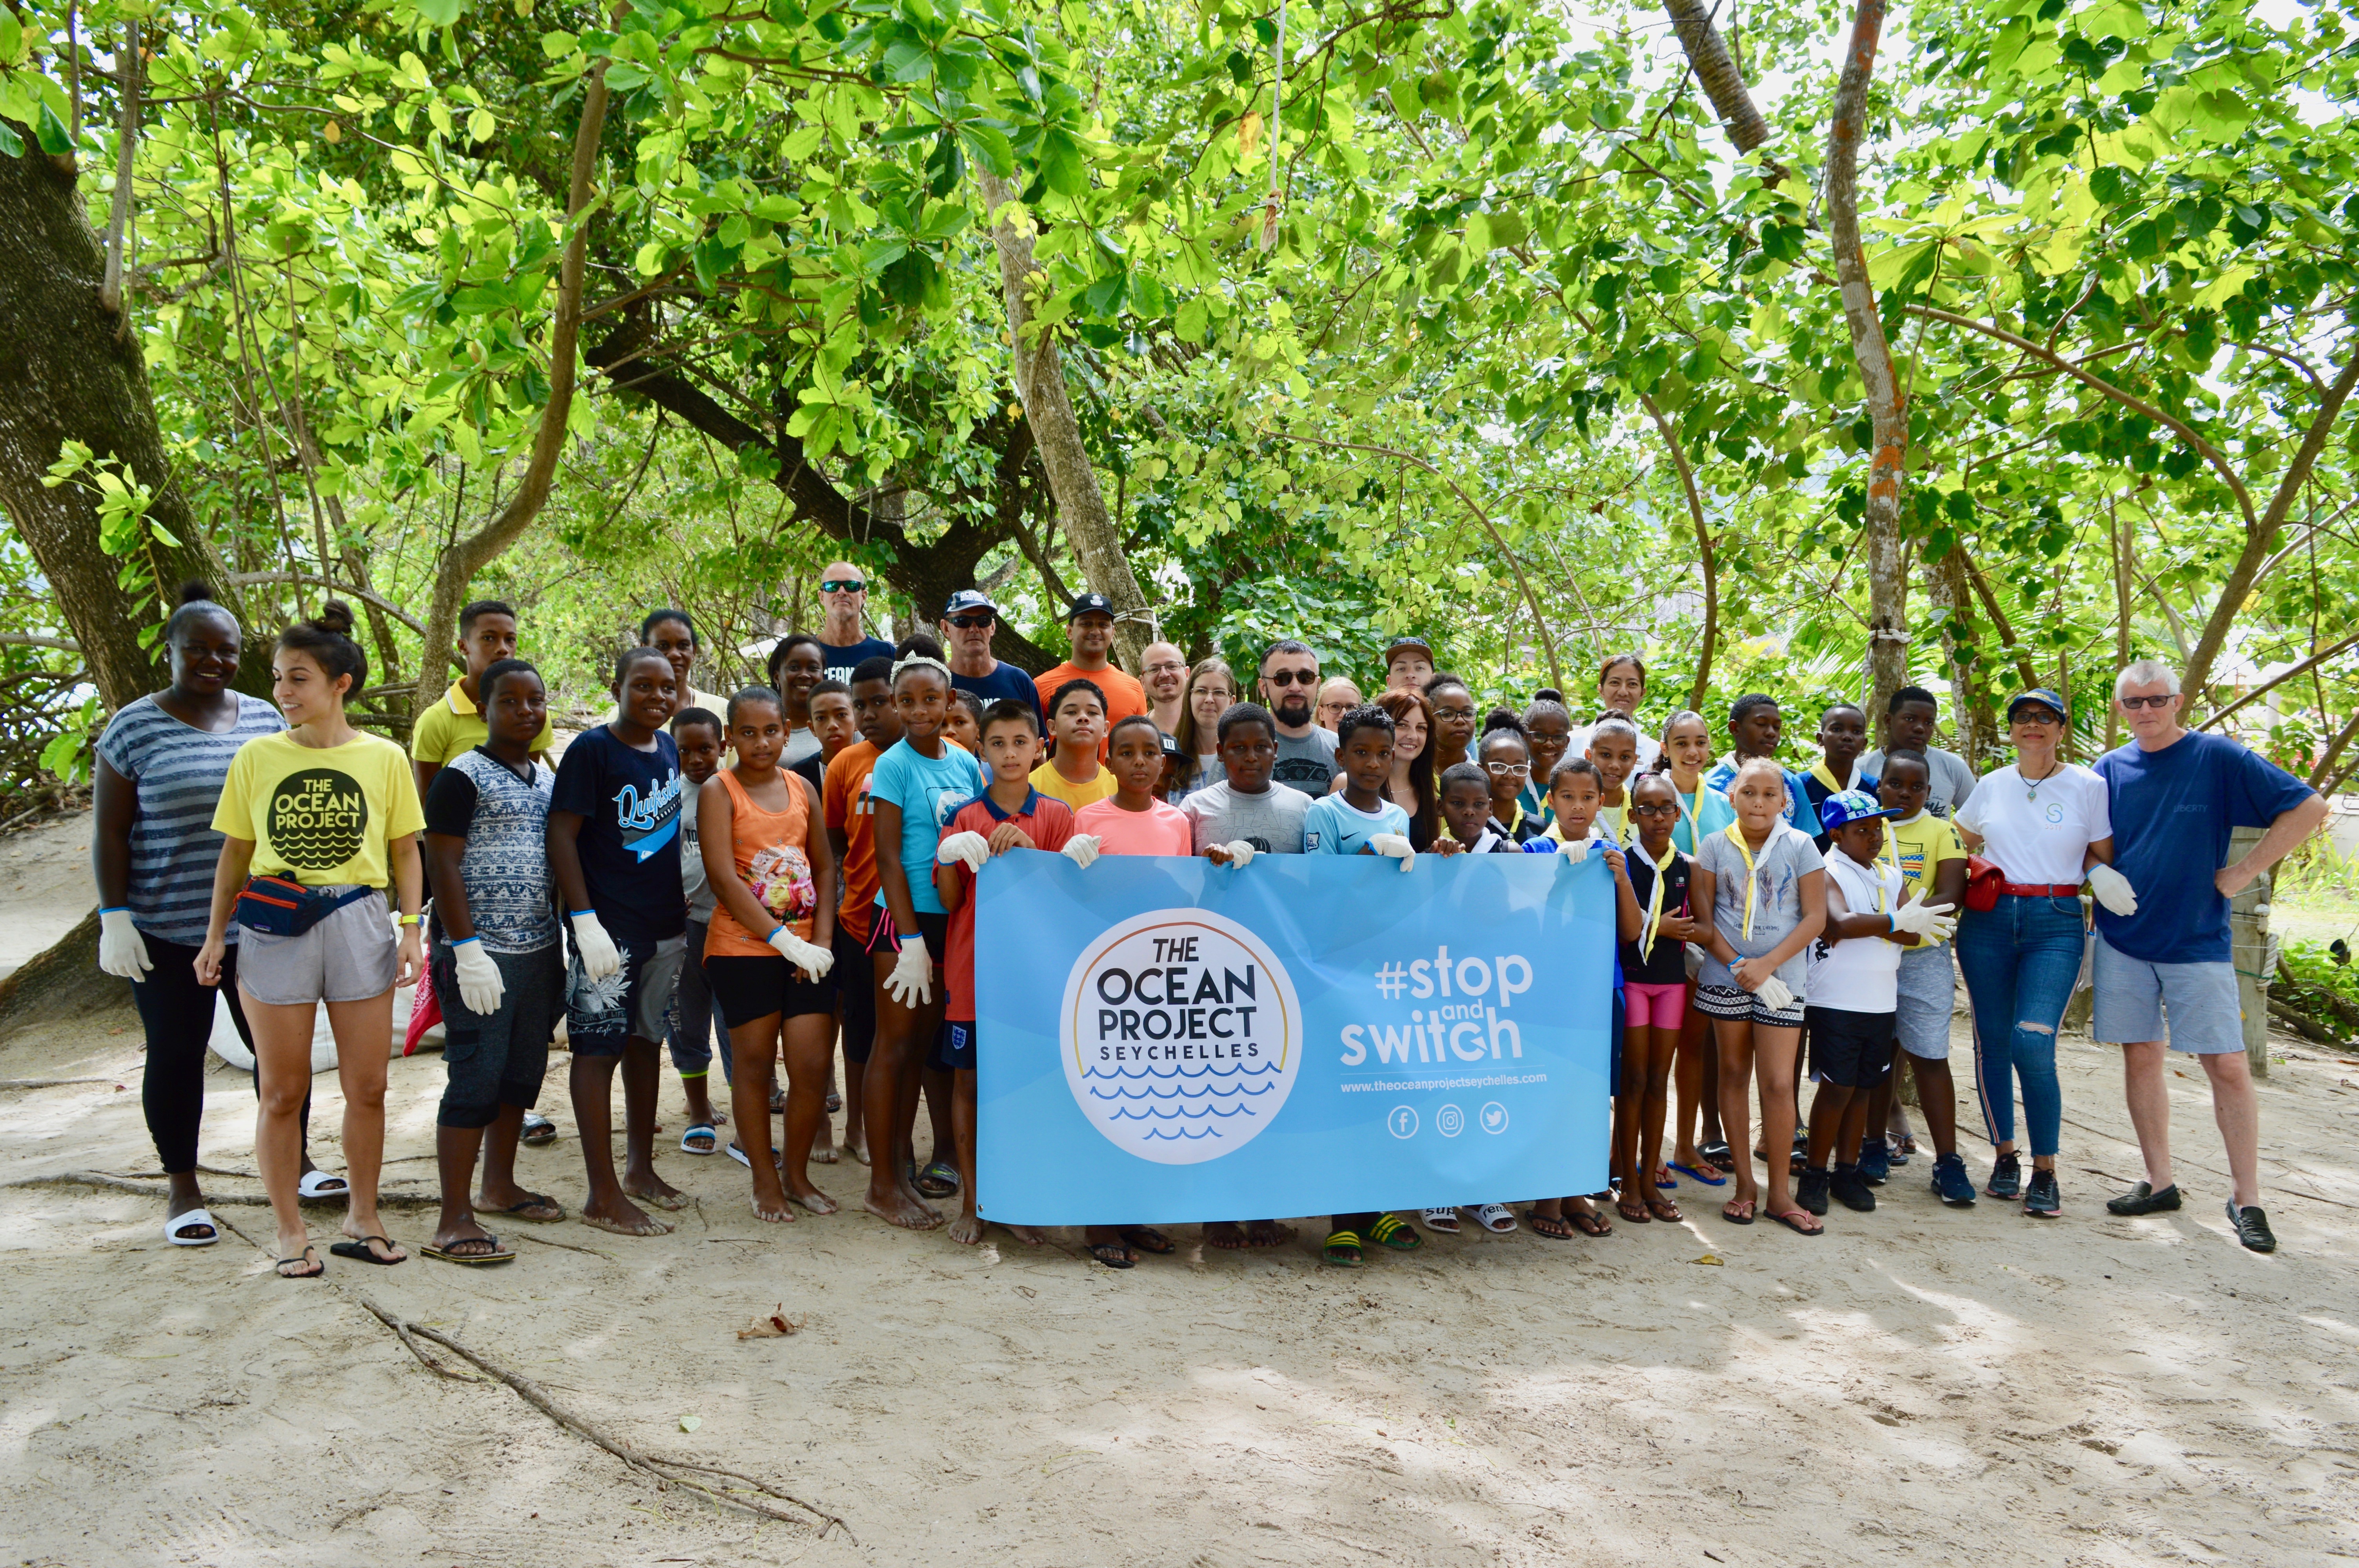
[
  {"x": 321, "y": 816},
  {"x": 1921, "y": 846},
  {"x": 453, "y": 727},
  {"x": 1050, "y": 782}
]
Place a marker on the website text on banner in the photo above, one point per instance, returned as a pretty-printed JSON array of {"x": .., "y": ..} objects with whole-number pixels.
[{"x": 1165, "y": 1040}]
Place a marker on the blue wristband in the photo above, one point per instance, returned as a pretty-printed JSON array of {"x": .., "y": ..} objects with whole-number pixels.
[
  {"x": 462, "y": 941},
  {"x": 577, "y": 913},
  {"x": 774, "y": 932},
  {"x": 116, "y": 909}
]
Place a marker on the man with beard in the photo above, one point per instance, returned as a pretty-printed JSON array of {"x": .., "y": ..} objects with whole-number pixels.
[
  {"x": 1165, "y": 679},
  {"x": 1289, "y": 685},
  {"x": 1089, "y": 627}
]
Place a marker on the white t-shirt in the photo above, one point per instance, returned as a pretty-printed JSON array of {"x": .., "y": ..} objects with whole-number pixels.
[
  {"x": 1858, "y": 974},
  {"x": 2038, "y": 833},
  {"x": 1948, "y": 782}
]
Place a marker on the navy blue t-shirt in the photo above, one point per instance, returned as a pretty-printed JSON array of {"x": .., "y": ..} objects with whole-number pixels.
[
  {"x": 2172, "y": 810},
  {"x": 628, "y": 801},
  {"x": 1004, "y": 681},
  {"x": 842, "y": 661}
]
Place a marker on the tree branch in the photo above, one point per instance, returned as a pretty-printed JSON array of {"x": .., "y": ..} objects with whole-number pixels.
[
  {"x": 127, "y": 73},
  {"x": 2277, "y": 680}
]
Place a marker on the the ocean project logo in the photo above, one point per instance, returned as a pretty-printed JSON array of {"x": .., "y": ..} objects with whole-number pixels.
[{"x": 1181, "y": 1036}]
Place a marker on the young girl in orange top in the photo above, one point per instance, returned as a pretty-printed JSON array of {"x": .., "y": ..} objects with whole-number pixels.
[{"x": 770, "y": 946}]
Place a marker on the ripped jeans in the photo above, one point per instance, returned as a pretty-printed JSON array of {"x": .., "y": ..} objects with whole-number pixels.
[{"x": 2020, "y": 960}]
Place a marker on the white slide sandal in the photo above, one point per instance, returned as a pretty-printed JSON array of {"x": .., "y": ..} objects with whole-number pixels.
[
  {"x": 1496, "y": 1218},
  {"x": 179, "y": 1222},
  {"x": 318, "y": 1186}
]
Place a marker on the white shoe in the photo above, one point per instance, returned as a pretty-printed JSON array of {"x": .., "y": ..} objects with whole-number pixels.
[
  {"x": 1441, "y": 1221},
  {"x": 1495, "y": 1217},
  {"x": 179, "y": 1222}
]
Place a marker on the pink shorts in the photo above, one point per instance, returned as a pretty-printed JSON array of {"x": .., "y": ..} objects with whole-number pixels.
[{"x": 1654, "y": 1006}]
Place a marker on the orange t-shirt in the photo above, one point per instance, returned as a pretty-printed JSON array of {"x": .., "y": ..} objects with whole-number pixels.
[
  {"x": 1124, "y": 696},
  {"x": 846, "y": 805},
  {"x": 771, "y": 849}
]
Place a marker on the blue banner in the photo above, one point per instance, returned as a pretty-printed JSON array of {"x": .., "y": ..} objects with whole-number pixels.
[{"x": 1163, "y": 1040}]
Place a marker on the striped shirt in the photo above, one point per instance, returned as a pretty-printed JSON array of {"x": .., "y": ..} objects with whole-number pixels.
[{"x": 178, "y": 771}]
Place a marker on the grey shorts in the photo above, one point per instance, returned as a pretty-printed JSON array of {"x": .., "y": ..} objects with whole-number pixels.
[
  {"x": 1928, "y": 995},
  {"x": 348, "y": 956},
  {"x": 2206, "y": 1016},
  {"x": 632, "y": 1003}
]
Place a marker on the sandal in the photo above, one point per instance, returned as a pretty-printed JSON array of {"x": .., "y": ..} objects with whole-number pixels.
[
  {"x": 1707, "y": 1174},
  {"x": 537, "y": 1130},
  {"x": 1112, "y": 1254},
  {"x": 699, "y": 1139},
  {"x": 197, "y": 1218},
  {"x": 1664, "y": 1181},
  {"x": 1496, "y": 1218},
  {"x": 320, "y": 1186},
  {"x": 317, "y": 1271},
  {"x": 1665, "y": 1210},
  {"x": 1589, "y": 1222},
  {"x": 1441, "y": 1221},
  {"x": 538, "y": 1209},
  {"x": 1343, "y": 1249},
  {"x": 1738, "y": 1211},
  {"x": 360, "y": 1251},
  {"x": 1718, "y": 1156},
  {"x": 939, "y": 1179},
  {"x": 1631, "y": 1211},
  {"x": 1800, "y": 1221},
  {"x": 1550, "y": 1226},
  {"x": 834, "y": 1102},
  {"x": 1146, "y": 1238},
  {"x": 487, "y": 1249}
]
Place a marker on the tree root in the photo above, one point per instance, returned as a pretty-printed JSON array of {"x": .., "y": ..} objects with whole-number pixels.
[
  {"x": 660, "y": 1469},
  {"x": 50, "y": 1083},
  {"x": 212, "y": 1200}
]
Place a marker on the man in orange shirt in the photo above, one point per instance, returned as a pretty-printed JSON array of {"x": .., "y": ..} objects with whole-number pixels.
[
  {"x": 1090, "y": 625},
  {"x": 850, "y": 832}
]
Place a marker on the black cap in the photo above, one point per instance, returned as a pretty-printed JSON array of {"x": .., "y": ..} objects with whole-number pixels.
[
  {"x": 1170, "y": 743},
  {"x": 968, "y": 598},
  {"x": 1084, "y": 603}
]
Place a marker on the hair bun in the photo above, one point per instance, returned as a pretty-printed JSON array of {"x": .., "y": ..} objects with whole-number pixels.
[
  {"x": 1548, "y": 694},
  {"x": 194, "y": 592},
  {"x": 335, "y": 616}
]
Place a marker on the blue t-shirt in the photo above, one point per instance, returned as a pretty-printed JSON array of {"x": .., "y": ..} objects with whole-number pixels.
[
  {"x": 2172, "y": 810},
  {"x": 1004, "y": 681},
  {"x": 628, "y": 801},
  {"x": 930, "y": 791},
  {"x": 838, "y": 663},
  {"x": 1334, "y": 827},
  {"x": 1800, "y": 812}
]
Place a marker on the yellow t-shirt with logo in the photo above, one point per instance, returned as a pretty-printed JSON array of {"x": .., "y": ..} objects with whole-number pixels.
[
  {"x": 1050, "y": 782},
  {"x": 454, "y": 726},
  {"x": 1921, "y": 846},
  {"x": 321, "y": 816}
]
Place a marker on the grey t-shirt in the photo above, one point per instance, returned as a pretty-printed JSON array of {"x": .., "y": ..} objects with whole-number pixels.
[
  {"x": 1306, "y": 762},
  {"x": 692, "y": 880},
  {"x": 1270, "y": 821},
  {"x": 1778, "y": 868},
  {"x": 1946, "y": 791}
]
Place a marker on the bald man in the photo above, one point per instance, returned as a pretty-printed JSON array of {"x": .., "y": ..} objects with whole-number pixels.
[
  {"x": 1164, "y": 676},
  {"x": 844, "y": 638}
]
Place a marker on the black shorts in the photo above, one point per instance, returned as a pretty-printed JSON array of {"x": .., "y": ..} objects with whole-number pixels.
[
  {"x": 855, "y": 991},
  {"x": 954, "y": 1045},
  {"x": 934, "y": 928},
  {"x": 1852, "y": 1049},
  {"x": 751, "y": 987}
]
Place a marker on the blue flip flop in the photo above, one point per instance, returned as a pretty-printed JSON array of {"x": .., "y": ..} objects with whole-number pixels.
[{"x": 1706, "y": 1174}]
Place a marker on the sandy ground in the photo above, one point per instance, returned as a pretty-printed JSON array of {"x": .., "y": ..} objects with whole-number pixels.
[{"x": 1919, "y": 1385}]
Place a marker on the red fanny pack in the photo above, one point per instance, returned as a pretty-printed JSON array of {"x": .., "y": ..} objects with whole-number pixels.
[{"x": 1984, "y": 881}]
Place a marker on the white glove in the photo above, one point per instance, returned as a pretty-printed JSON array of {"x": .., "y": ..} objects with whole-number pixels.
[
  {"x": 1081, "y": 849},
  {"x": 1943, "y": 928},
  {"x": 2112, "y": 889},
  {"x": 1575, "y": 850},
  {"x": 1240, "y": 853},
  {"x": 480, "y": 985},
  {"x": 812, "y": 958},
  {"x": 1775, "y": 994},
  {"x": 598, "y": 956},
  {"x": 911, "y": 983},
  {"x": 1396, "y": 846},
  {"x": 969, "y": 847},
  {"x": 1915, "y": 918},
  {"x": 122, "y": 951}
]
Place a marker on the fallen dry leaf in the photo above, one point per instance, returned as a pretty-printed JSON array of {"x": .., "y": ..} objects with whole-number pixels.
[{"x": 773, "y": 1324}]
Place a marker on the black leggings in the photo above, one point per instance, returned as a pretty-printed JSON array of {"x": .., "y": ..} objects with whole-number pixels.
[{"x": 178, "y": 1014}]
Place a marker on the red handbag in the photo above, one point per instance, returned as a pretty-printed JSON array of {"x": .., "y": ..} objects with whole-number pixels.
[{"x": 1984, "y": 881}]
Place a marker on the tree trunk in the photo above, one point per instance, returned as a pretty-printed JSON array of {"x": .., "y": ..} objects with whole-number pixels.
[
  {"x": 1887, "y": 404},
  {"x": 65, "y": 375},
  {"x": 1040, "y": 375},
  {"x": 1974, "y": 724},
  {"x": 1723, "y": 79},
  {"x": 462, "y": 558},
  {"x": 1702, "y": 683}
]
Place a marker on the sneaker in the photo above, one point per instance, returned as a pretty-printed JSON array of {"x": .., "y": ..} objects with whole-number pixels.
[
  {"x": 1875, "y": 1161},
  {"x": 2144, "y": 1199},
  {"x": 2041, "y": 1200},
  {"x": 1851, "y": 1189},
  {"x": 1810, "y": 1191},
  {"x": 2006, "y": 1178},
  {"x": 2252, "y": 1227},
  {"x": 1951, "y": 1182}
]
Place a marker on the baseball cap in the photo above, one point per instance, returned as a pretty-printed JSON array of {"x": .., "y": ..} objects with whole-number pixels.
[
  {"x": 1085, "y": 603},
  {"x": 1170, "y": 743},
  {"x": 1400, "y": 646},
  {"x": 968, "y": 598},
  {"x": 2039, "y": 694},
  {"x": 1850, "y": 805}
]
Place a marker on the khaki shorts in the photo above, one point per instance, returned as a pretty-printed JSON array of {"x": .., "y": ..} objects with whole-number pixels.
[{"x": 348, "y": 956}]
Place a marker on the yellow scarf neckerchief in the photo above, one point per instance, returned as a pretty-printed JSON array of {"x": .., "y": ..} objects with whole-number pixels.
[
  {"x": 1819, "y": 771},
  {"x": 1655, "y": 897},
  {"x": 1736, "y": 831}
]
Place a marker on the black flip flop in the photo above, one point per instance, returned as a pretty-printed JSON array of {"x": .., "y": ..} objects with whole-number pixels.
[
  {"x": 516, "y": 1211},
  {"x": 1112, "y": 1254},
  {"x": 311, "y": 1252},
  {"x": 358, "y": 1252},
  {"x": 1146, "y": 1238}
]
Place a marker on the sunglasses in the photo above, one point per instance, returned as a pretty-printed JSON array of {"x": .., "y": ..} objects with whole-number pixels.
[
  {"x": 974, "y": 623},
  {"x": 2033, "y": 715},
  {"x": 844, "y": 585},
  {"x": 1293, "y": 677},
  {"x": 2165, "y": 700}
]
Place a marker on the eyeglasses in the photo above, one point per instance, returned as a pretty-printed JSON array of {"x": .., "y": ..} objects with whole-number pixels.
[
  {"x": 1156, "y": 669},
  {"x": 1453, "y": 713},
  {"x": 844, "y": 585},
  {"x": 1293, "y": 677},
  {"x": 974, "y": 623},
  {"x": 2163, "y": 700},
  {"x": 1509, "y": 769},
  {"x": 1216, "y": 694},
  {"x": 1662, "y": 808}
]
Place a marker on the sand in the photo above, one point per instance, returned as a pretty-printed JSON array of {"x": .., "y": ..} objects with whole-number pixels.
[{"x": 1918, "y": 1385}]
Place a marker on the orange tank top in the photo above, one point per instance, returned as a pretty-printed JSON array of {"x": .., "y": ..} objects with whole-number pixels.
[{"x": 769, "y": 848}]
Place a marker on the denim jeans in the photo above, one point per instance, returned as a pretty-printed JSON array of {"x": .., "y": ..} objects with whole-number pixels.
[{"x": 2020, "y": 961}]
